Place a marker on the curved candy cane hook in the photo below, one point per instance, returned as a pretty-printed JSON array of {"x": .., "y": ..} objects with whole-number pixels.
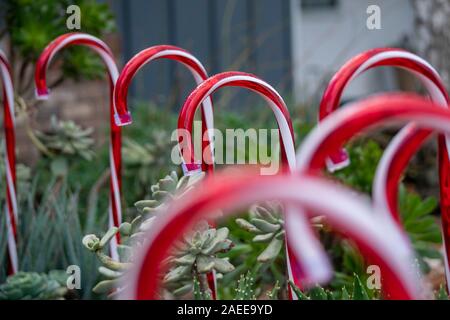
[
  {"x": 344, "y": 124},
  {"x": 117, "y": 118},
  {"x": 314, "y": 264},
  {"x": 372, "y": 59},
  {"x": 382, "y": 242},
  {"x": 164, "y": 52},
  {"x": 10, "y": 163}
]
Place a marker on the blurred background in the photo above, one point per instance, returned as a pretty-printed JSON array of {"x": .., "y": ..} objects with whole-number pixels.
[{"x": 295, "y": 45}]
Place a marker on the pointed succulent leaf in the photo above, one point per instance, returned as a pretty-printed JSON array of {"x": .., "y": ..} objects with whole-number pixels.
[
  {"x": 265, "y": 226},
  {"x": 223, "y": 265},
  {"x": 204, "y": 264},
  {"x": 177, "y": 274},
  {"x": 104, "y": 286},
  {"x": 244, "y": 224},
  {"x": 271, "y": 251},
  {"x": 263, "y": 237},
  {"x": 108, "y": 273}
]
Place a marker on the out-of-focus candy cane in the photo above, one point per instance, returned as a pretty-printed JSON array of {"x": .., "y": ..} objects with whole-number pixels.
[
  {"x": 117, "y": 119},
  {"x": 10, "y": 163},
  {"x": 306, "y": 260},
  {"x": 383, "y": 243},
  {"x": 384, "y": 109}
]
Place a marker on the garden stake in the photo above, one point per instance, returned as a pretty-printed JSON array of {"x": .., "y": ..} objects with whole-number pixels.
[
  {"x": 10, "y": 164},
  {"x": 382, "y": 242},
  {"x": 314, "y": 264},
  {"x": 116, "y": 119},
  {"x": 407, "y": 142},
  {"x": 198, "y": 72},
  {"x": 346, "y": 123}
]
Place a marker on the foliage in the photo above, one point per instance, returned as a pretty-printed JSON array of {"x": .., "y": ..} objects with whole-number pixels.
[
  {"x": 32, "y": 24},
  {"x": 420, "y": 225},
  {"x": 35, "y": 286},
  {"x": 364, "y": 158},
  {"x": 51, "y": 219},
  {"x": 195, "y": 254},
  {"x": 266, "y": 222},
  {"x": 358, "y": 292}
]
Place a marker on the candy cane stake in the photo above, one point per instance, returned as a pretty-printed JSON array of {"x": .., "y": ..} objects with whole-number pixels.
[
  {"x": 198, "y": 72},
  {"x": 314, "y": 264},
  {"x": 349, "y": 214},
  {"x": 172, "y": 53},
  {"x": 117, "y": 119},
  {"x": 369, "y": 60},
  {"x": 10, "y": 164},
  {"x": 407, "y": 142},
  {"x": 344, "y": 124}
]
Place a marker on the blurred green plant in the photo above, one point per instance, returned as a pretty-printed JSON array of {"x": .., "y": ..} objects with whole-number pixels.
[
  {"x": 64, "y": 142},
  {"x": 51, "y": 219},
  {"x": 32, "y": 24}
]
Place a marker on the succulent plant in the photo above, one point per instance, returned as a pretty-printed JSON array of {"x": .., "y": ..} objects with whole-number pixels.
[
  {"x": 67, "y": 139},
  {"x": 35, "y": 286},
  {"x": 146, "y": 161},
  {"x": 266, "y": 222},
  {"x": 245, "y": 287},
  {"x": 195, "y": 254}
]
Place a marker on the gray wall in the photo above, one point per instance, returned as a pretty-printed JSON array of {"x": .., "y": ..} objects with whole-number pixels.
[{"x": 245, "y": 35}]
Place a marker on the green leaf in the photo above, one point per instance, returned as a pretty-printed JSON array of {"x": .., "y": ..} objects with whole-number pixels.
[{"x": 359, "y": 292}]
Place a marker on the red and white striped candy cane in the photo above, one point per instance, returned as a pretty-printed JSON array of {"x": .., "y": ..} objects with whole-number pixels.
[
  {"x": 406, "y": 143},
  {"x": 382, "y": 243},
  {"x": 198, "y": 72},
  {"x": 344, "y": 124},
  {"x": 10, "y": 163},
  {"x": 303, "y": 263},
  {"x": 172, "y": 53},
  {"x": 368, "y": 60},
  {"x": 116, "y": 119}
]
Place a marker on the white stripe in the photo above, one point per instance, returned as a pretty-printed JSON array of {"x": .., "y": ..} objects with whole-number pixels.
[
  {"x": 12, "y": 248},
  {"x": 9, "y": 91},
  {"x": 7, "y": 83},
  {"x": 115, "y": 184}
]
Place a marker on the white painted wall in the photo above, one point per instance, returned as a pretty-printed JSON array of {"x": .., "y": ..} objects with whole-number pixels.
[{"x": 322, "y": 40}]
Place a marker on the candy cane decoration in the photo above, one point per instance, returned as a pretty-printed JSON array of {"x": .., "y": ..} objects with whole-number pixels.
[
  {"x": 117, "y": 119},
  {"x": 382, "y": 242},
  {"x": 314, "y": 264},
  {"x": 10, "y": 164},
  {"x": 172, "y": 53},
  {"x": 406, "y": 143},
  {"x": 198, "y": 72},
  {"x": 344, "y": 124},
  {"x": 372, "y": 59}
]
